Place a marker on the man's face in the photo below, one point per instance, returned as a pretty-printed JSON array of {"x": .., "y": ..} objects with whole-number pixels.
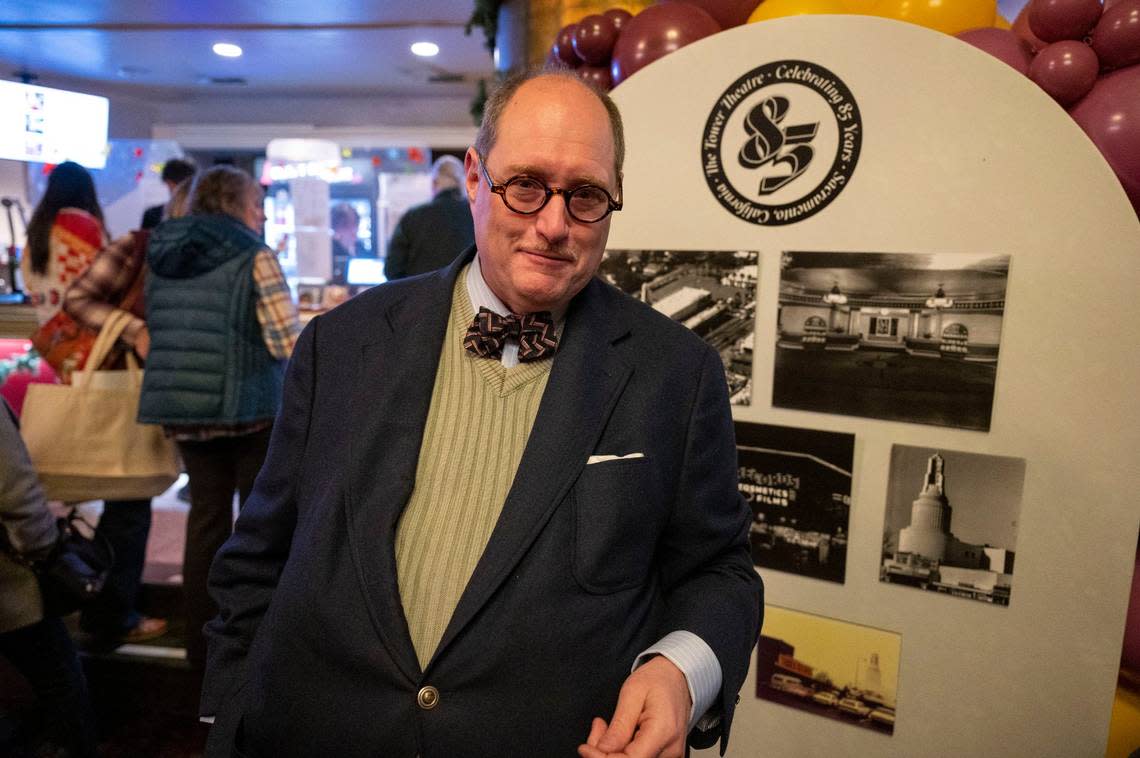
[
  {"x": 346, "y": 231},
  {"x": 557, "y": 131}
]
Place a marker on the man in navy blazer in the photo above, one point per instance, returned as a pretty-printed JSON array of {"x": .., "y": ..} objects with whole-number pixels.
[{"x": 617, "y": 580}]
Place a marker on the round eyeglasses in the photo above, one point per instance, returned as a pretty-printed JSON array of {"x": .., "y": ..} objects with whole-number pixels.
[{"x": 528, "y": 195}]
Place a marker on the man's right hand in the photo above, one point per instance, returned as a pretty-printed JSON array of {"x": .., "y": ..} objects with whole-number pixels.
[{"x": 651, "y": 717}]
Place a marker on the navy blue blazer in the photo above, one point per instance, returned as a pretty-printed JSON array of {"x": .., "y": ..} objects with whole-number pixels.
[{"x": 587, "y": 566}]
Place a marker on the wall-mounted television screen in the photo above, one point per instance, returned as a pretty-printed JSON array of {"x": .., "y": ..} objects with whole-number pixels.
[{"x": 48, "y": 125}]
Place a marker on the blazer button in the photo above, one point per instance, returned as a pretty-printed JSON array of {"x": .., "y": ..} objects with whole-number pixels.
[{"x": 428, "y": 698}]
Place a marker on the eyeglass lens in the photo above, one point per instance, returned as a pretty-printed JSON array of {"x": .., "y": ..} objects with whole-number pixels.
[{"x": 586, "y": 203}]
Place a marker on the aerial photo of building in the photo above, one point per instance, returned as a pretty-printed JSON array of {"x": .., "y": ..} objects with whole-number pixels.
[{"x": 712, "y": 292}]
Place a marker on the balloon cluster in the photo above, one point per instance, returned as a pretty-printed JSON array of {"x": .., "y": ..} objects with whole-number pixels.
[
  {"x": 607, "y": 48},
  {"x": 1086, "y": 57}
]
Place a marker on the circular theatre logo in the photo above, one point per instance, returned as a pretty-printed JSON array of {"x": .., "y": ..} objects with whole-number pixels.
[{"x": 781, "y": 142}]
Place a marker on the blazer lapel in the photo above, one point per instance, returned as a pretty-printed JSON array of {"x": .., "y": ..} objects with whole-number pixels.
[
  {"x": 585, "y": 382},
  {"x": 388, "y": 413}
]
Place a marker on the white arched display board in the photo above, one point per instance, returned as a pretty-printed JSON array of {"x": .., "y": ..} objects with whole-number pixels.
[{"x": 957, "y": 154}]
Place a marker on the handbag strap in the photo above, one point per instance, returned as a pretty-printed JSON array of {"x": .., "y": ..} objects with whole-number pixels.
[
  {"x": 65, "y": 526},
  {"x": 112, "y": 329}
]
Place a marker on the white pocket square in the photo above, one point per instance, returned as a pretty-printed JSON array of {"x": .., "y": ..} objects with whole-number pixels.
[{"x": 604, "y": 458}]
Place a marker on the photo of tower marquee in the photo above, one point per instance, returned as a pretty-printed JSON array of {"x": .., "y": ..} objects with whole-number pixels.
[{"x": 961, "y": 545}]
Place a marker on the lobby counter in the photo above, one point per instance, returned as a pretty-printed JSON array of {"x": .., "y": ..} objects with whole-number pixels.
[{"x": 18, "y": 321}]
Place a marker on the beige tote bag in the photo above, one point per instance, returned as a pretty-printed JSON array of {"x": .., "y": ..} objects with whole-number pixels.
[{"x": 83, "y": 438}]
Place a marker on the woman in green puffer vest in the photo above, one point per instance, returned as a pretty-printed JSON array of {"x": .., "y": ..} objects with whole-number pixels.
[{"x": 222, "y": 325}]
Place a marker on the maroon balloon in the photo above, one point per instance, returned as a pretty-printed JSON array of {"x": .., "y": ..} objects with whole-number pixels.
[
  {"x": 596, "y": 76},
  {"x": 594, "y": 39},
  {"x": 727, "y": 13},
  {"x": 1066, "y": 70},
  {"x": 655, "y": 32},
  {"x": 1002, "y": 44},
  {"x": 564, "y": 46},
  {"x": 1054, "y": 20},
  {"x": 1110, "y": 115},
  {"x": 1130, "y": 656},
  {"x": 620, "y": 17},
  {"x": 1020, "y": 27},
  {"x": 1116, "y": 37}
]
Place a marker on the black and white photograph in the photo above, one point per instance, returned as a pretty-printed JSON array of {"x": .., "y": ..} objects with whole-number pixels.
[
  {"x": 798, "y": 484},
  {"x": 951, "y": 522},
  {"x": 712, "y": 292},
  {"x": 830, "y": 668},
  {"x": 897, "y": 336}
]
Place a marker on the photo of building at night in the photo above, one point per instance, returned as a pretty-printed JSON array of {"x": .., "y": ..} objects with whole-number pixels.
[
  {"x": 712, "y": 292},
  {"x": 959, "y": 544},
  {"x": 798, "y": 484},
  {"x": 901, "y": 337},
  {"x": 830, "y": 668}
]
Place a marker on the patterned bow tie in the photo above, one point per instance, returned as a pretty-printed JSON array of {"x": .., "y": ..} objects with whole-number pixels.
[{"x": 490, "y": 331}]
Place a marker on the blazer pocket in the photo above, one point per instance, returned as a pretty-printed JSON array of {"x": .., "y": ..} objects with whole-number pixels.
[
  {"x": 239, "y": 750},
  {"x": 614, "y": 533}
]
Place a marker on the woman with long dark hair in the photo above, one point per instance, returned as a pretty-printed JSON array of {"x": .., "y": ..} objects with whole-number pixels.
[{"x": 64, "y": 233}]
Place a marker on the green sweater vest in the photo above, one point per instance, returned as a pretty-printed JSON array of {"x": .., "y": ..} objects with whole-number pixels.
[{"x": 480, "y": 418}]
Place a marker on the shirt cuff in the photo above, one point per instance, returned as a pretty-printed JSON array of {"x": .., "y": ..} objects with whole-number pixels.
[{"x": 697, "y": 662}]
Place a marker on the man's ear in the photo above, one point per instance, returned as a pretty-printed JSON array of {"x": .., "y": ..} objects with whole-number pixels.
[{"x": 471, "y": 174}]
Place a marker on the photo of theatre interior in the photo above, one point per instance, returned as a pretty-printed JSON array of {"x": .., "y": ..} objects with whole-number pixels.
[
  {"x": 231, "y": 234},
  {"x": 892, "y": 336}
]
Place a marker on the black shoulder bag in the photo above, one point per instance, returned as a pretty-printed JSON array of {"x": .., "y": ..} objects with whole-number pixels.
[{"x": 74, "y": 571}]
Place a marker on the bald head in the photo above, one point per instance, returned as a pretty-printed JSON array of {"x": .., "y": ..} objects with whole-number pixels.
[{"x": 501, "y": 97}]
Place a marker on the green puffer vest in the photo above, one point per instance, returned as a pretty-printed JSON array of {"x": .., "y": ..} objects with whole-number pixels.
[{"x": 208, "y": 364}]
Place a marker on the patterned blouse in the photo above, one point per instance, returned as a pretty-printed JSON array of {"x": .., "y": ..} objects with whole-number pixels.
[{"x": 75, "y": 238}]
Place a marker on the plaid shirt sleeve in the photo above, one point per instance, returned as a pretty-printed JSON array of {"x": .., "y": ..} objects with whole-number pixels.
[
  {"x": 275, "y": 308},
  {"x": 93, "y": 295}
]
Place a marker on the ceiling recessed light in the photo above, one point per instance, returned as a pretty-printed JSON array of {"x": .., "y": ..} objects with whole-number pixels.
[
  {"x": 425, "y": 49},
  {"x": 227, "y": 50}
]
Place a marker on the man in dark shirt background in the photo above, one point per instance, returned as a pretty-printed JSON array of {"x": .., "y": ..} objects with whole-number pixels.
[
  {"x": 346, "y": 245},
  {"x": 431, "y": 235},
  {"x": 176, "y": 171}
]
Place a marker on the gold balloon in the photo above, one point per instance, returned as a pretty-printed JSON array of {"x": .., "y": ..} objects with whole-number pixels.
[
  {"x": 1001, "y": 22},
  {"x": 950, "y": 16},
  {"x": 777, "y": 8}
]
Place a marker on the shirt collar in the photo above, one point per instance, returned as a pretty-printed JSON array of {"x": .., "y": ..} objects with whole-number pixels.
[{"x": 482, "y": 297}]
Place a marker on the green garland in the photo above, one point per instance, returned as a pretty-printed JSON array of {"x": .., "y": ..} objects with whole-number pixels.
[
  {"x": 486, "y": 15},
  {"x": 479, "y": 102},
  {"x": 29, "y": 361}
]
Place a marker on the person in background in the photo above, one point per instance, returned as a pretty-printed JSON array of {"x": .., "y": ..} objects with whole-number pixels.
[
  {"x": 64, "y": 236},
  {"x": 221, "y": 325},
  {"x": 117, "y": 273},
  {"x": 64, "y": 233},
  {"x": 36, "y": 644},
  {"x": 174, "y": 173},
  {"x": 345, "y": 223},
  {"x": 431, "y": 235}
]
